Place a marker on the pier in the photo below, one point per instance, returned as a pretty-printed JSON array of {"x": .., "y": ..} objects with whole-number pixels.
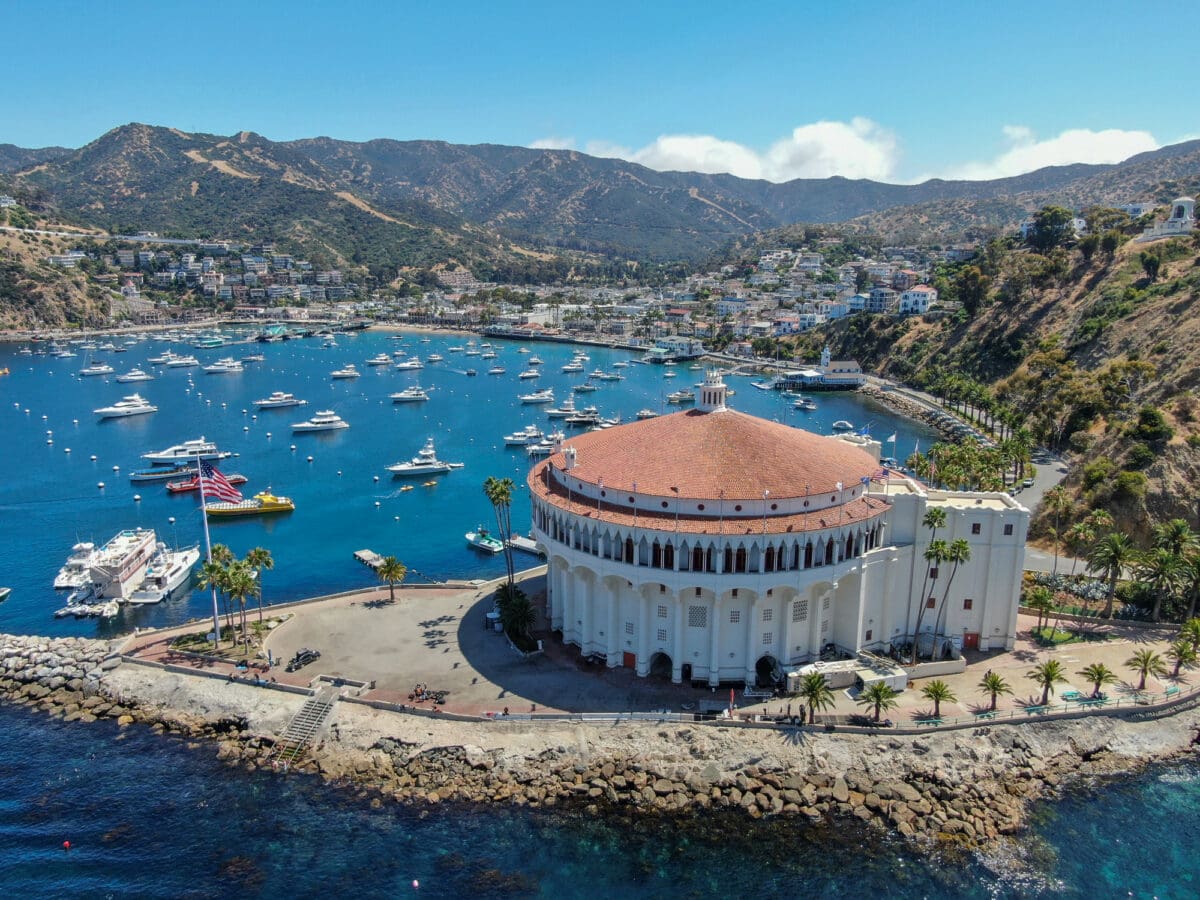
[
  {"x": 369, "y": 558},
  {"x": 516, "y": 542}
]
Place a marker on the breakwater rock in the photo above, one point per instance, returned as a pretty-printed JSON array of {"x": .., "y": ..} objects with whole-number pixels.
[{"x": 906, "y": 406}]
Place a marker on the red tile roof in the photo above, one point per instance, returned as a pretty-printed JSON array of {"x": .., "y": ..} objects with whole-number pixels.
[{"x": 697, "y": 455}]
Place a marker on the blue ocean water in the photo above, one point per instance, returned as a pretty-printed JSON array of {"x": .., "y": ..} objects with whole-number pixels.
[{"x": 49, "y": 498}]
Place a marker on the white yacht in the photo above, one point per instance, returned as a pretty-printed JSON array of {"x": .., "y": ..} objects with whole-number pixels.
[
  {"x": 561, "y": 412},
  {"x": 182, "y": 362},
  {"x": 133, "y": 405},
  {"x": 454, "y": 349},
  {"x": 496, "y": 370},
  {"x": 805, "y": 404},
  {"x": 413, "y": 394},
  {"x": 74, "y": 573},
  {"x": 348, "y": 372},
  {"x": 620, "y": 364},
  {"x": 188, "y": 451},
  {"x": 96, "y": 369},
  {"x": 167, "y": 572},
  {"x": 534, "y": 361},
  {"x": 685, "y": 396},
  {"x": 424, "y": 463},
  {"x": 254, "y": 357},
  {"x": 226, "y": 366},
  {"x": 134, "y": 375},
  {"x": 530, "y": 373},
  {"x": 589, "y": 415},
  {"x": 409, "y": 364},
  {"x": 530, "y": 434},
  {"x": 278, "y": 400},
  {"x": 573, "y": 366},
  {"x": 324, "y": 420},
  {"x": 546, "y": 395},
  {"x": 547, "y": 445},
  {"x": 162, "y": 359},
  {"x": 434, "y": 358},
  {"x": 488, "y": 354},
  {"x": 646, "y": 413},
  {"x": 120, "y": 565},
  {"x": 381, "y": 359},
  {"x": 585, "y": 388},
  {"x": 607, "y": 376}
]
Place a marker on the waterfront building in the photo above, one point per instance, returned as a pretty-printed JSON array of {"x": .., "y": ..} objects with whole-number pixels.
[{"x": 707, "y": 543}]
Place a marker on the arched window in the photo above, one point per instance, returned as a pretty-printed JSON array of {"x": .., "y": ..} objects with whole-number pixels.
[
  {"x": 669, "y": 556},
  {"x": 829, "y": 554},
  {"x": 697, "y": 559},
  {"x": 808, "y": 554},
  {"x": 656, "y": 555},
  {"x": 739, "y": 560},
  {"x": 769, "y": 560},
  {"x": 796, "y": 555},
  {"x": 849, "y": 546},
  {"x": 710, "y": 562},
  {"x": 629, "y": 550},
  {"x": 728, "y": 564}
]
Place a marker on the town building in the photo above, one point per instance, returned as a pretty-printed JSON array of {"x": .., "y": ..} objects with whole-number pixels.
[
  {"x": 707, "y": 544},
  {"x": 1181, "y": 221}
]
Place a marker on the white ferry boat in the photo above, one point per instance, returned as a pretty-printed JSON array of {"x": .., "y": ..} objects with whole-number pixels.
[
  {"x": 279, "y": 400},
  {"x": 546, "y": 395},
  {"x": 226, "y": 366},
  {"x": 348, "y": 372},
  {"x": 166, "y": 573},
  {"x": 120, "y": 565},
  {"x": 414, "y": 394},
  {"x": 424, "y": 463},
  {"x": 96, "y": 369},
  {"x": 324, "y": 420},
  {"x": 133, "y": 405},
  {"x": 188, "y": 451},
  {"x": 134, "y": 375},
  {"x": 74, "y": 573}
]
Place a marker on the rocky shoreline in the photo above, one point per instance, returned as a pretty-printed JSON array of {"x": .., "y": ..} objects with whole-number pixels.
[
  {"x": 910, "y": 408},
  {"x": 963, "y": 789}
]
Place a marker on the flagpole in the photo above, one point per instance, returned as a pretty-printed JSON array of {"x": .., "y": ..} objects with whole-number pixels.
[{"x": 208, "y": 553}]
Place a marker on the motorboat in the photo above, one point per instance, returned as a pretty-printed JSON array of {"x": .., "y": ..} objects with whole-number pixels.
[
  {"x": 192, "y": 482},
  {"x": 324, "y": 420},
  {"x": 561, "y": 412},
  {"x": 164, "y": 473},
  {"x": 261, "y": 504},
  {"x": 471, "y": 373},
  {"x": 74, "y": 572},
  {"x": 842, "y": 425},
  {"x": 399, "y": 354},
  {"x": 4, "y": 592},
  {"x": 598, "y": 374},
  {"x": 620, "y": 364},
  {"x": 534, "y": 361},
  {"x": 225, "y": 366},
  {"x": 496, "y": 370},
  {"x": 120, "y": 565},
  {"x": 182, "y": 362},
  {"x": 646, "y": 413},
  {"x": 530, "y": 434},
  {"x": 607, "y": 376},
  {"x": 668, "y": 373},
  {"x": 589, "y": 415},
  {"x": 573, "y": 367},
  {"x": 133, "y": 405},
  {"x": 413, "y": 394},
  {"x": 409, "y": 364},
  {"x": 381, "y": 359},
  {"x": 585, "y": 388},
  {"x": 488, "y": 354},
  {"x": 685, "y": 396},
  {"x": 254, "y": 357},
  {"x": 522, "y": 349},
  {"x": 188, "y": 451},
  {"x": 96, "y": 369},
  {"x": 481, "y": 540},
  {"x": 530, "y": 373},
  {"x": 165, "y": 357},
  {"x": 348, "y": 372},
  {"x": 546, "y": 395},
  {"x": 167, "y": 572},
  {"x": 805, "y": 404},
  {"x": 134, "y": 375},
  {"x": 424, "y": 463},
  {"x": 434, "y": 358},
  {"x": 454, "y": 349},
  {"x": 279, "y": 400}
]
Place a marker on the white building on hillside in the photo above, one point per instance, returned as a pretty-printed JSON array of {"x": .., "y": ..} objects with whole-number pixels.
[
  {"x": 917, "y": 301},
  {"x": 1181, "y": 221},
  {"x": 707, "y": 544}
]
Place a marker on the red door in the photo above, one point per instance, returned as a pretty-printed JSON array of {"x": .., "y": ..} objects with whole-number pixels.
[
  {"x": 971, "y": 640},
  {"x": 630, "y": 661}
]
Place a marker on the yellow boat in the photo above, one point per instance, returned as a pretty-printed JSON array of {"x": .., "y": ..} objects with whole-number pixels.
[
  {"x": 429, "y": 484},
  {"x": 260, "y": 504},
  {"x": 407, "y": 487}
]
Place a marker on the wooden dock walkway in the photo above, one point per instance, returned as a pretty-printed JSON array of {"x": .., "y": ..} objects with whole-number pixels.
[
  {"x": 369, "y": 558},
  {"x": 516, "y": 542}
]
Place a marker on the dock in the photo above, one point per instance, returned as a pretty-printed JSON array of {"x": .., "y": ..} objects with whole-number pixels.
[
  {"x": 369, "y": 558},
  {"x": 516, "y": 542}
]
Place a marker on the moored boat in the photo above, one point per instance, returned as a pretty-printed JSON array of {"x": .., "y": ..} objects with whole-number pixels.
[
  {"x": 133, "y": 405},
  {"x": 279, "y": 400},
  {"x": 324, "y": 420},
  {"x": 546, "y": 395},
  {"x": 843, "y": 425},
  {"x": 134, "y": 375},
  {"x": 96, "y": 369},
  {"x": 193, "y": 483},
  {"x": 188, "y": 451},
  {"x": 348, "y": 371},
  {"x": 261, "y": 504},
  {"x": 414, "y": 394},
  {"x": 424, "y": 463},
  {"x": 481, "y": 540},
  {"x": 166, "y": 573}
]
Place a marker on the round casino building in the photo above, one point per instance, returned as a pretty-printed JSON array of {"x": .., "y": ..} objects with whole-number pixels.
[{"x": 706, "y": 544}]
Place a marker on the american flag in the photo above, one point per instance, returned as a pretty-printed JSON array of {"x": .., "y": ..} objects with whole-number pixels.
[
  {"x": 882, "y": 475},
  {"x": 214, "y": 484}
]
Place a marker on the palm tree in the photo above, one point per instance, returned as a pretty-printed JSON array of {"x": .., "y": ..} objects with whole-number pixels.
[
  {"x": 215, "y": 576},
  {"x": 938, "y": 691},
  {"x": 242, "y": 585},
  {"x": 392, "y": 571},
  {"x": 935, "y": 518},
  {"x": 1189, "y": 581},
  {"x": 879, "y": 695},
  {"x": 499, "y": 494},
  {"x": 1098, "y": 675},
  {"x": 1108, "y": 557},
  {"x": 1058, "y": 502},
  {"x": 994, "y": 684},
  {"x": 1146, "y": 662},
  {"x": 260, "y": 560},
  {"x": 935, "y": 555},
  {"x": 1041, "y": 600},
  {"x": 1161, "y": 572},
  {"x": 958, "y": 552},
  {"x": 1079, "y": 537},
  {"x": 518, "y": 616},
  {"x": 1176, "y": 536},
  {"x": 1182, "y": 653},
  {"x": 1190, "y": 632},
  {"x": 1047, "y": 675},
  {"x": 814, "y": 691}
]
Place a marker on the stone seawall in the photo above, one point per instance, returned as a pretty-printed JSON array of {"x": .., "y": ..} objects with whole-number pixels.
[{"x": 966, "y": 788}]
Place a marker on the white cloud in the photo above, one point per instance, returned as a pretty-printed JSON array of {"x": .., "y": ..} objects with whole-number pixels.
[
  {"x": 553, "y": 143},
  {"x": 1075, "y": 145}
]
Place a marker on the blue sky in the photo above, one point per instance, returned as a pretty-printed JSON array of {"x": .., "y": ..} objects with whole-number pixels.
[{"x": 894, "y": 91}]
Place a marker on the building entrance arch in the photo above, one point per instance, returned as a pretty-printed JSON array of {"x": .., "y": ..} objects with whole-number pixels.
[
  {"x": 768, "y": 673},
  {"x": 660, "y": 665}
]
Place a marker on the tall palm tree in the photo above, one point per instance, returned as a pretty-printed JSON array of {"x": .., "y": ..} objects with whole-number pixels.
[
  {"x": 1059, "y": 504},
  {"x": 1161, "y": 572},
  {"x": 1098, "y": 675},
  {"x": 993, "y": 684},
  {"x": 393, "y": 572},
  {"x": 815, "y": 692},
  {"x": 1182, "y": 653},
  {"x": 879, "y": 695},
  {"x": 242, "y": 585},
  {"x": 1046, "y": 676},
  {"x": 499, "y": 493},
  {"x": 260, "y": 560},
  {"x": 958, "y": 552},
  {"x": 1109, "y": 557},
  {"x": 213, "y": 576},
  {"x": 1041, "y": 600},
  {"x": 1146, "y": 662},
  {"x": 939, "y": 692},
  {"x": 1189, "y": 581},
  {"x": 1078, "y": 538},
  {"x": 1175, "y": 536},
  {"x": 935, "y": 555},
  {"x": 935, "y": 518}
]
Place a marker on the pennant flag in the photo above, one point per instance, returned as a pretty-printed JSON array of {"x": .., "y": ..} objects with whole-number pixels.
[
  {"x": 214, "y": 484},
  {"x": 892, "y": 439}
]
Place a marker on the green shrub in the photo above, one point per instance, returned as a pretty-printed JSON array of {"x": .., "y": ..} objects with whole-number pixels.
[
  {"x": 1098, "y": 472},
  {"x": 1193, "y": 441},
  {"x": 1130, "y": 486},
  {"x": 1151, "y": 426},
  {"x": 1139, "y": 457}
]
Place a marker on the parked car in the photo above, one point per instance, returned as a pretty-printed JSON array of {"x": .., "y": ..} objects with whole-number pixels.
[
  {"x": 302, "y": 658},
  {"x": 1028, "y": 482}
]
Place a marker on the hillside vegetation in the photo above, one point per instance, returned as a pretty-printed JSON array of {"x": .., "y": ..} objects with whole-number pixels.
[{"x": 35, "y": 294}]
